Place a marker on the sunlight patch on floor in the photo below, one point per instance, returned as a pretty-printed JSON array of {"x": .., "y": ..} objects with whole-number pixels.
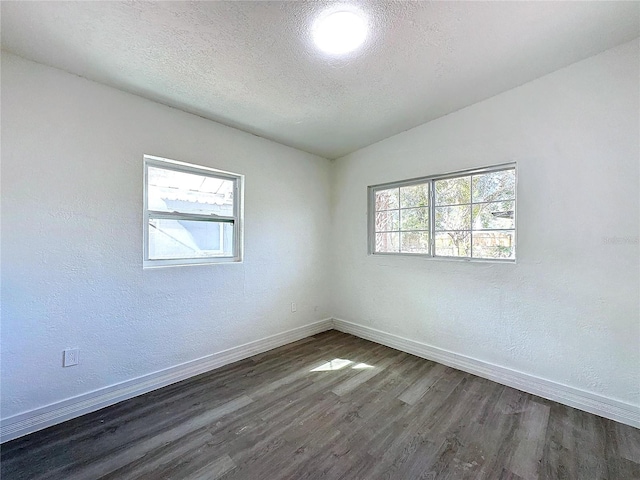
[
  {"x": 335, "y": 364},
  {"x": 361, "y": 366},
  {"x": 339, "y": 363}
]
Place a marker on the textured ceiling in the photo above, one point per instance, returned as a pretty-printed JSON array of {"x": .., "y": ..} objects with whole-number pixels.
[{"x": 252, "y": 65}]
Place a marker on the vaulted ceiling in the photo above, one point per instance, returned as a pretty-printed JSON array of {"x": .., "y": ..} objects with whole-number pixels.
[{"x": 253, "y": 65}]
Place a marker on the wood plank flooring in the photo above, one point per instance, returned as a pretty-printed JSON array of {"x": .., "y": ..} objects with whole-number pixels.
[{"x": 331, "y": 406}]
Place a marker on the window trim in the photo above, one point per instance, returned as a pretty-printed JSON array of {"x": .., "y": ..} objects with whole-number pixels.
[
  {"x": 237, "y": 219},
  {"x": 371, "y": 211}
]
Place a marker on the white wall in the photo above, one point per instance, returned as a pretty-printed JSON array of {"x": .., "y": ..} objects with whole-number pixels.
[
  {"x": 72, "y": 275},
  {"x": 72, "y": 239},
  {"x": 568, "y": 310}
]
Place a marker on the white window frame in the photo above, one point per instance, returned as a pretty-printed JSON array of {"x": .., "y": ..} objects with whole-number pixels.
[
  {"x": 431, "y": 179},
  {"x": 236, "y": 220}
]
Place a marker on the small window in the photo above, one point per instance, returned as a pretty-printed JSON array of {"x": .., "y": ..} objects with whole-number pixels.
[
  {"x": 192, "y": 214},
  {"x": 468, "y": 215}
]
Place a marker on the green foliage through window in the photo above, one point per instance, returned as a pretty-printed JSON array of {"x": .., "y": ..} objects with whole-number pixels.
[{"x": 472, "y": 215}]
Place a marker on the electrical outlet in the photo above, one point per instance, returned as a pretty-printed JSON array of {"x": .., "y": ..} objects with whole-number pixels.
[
  {"x": 70, "y": 357},
  {"x": 294, "y": 308}
]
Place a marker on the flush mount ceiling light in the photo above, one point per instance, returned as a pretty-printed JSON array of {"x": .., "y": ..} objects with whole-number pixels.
[{"x": 339, "y": 32}]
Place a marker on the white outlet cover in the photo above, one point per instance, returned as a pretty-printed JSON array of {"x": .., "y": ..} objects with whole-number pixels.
[{"x": 70, "y": 357}]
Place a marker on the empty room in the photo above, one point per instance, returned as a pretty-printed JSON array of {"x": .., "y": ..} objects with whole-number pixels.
[{"x": 320, "y": 240}]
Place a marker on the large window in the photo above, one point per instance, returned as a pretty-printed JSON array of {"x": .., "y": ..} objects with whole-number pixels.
[
  {"x": 192, "y": 214},
  {"x": 468, "y": 215}
]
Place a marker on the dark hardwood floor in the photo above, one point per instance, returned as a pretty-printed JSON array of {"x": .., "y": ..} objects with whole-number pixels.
[{"x": 284, "y": 414}]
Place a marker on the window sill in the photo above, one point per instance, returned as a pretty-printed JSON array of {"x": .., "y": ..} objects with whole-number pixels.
[
  {"x": 189, "y": 262},
  {"x": 445, "y": 259}
]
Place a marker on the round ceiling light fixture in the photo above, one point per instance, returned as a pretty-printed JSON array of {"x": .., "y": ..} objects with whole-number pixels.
[{"x": 340, "y": 32}]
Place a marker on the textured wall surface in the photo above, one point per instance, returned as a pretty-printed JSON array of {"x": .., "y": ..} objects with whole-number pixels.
[
  {"x": 253, "y": 65},
  {"x": 72, "y": 271},
  {"x": 568, "y": 310}
]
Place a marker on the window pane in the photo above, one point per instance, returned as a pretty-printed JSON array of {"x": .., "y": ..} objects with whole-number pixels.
[
  {"x": 453, "y": 191},
  {"x": 494, "y": 245},
  {"x": 386, "y": 221},
  {"x": 387, "y": 199},
  {"x": 453, "y": 244},
  {"x": 441, "y": 216},
  {"x": 453, "y": 218},
  {"x": 414, "y": 242},
  {"x": 494, "y": 215},
  {"x": 387, "y": 242},
  {"x": 414, "y": 196},
  {"x": 489, "y": 187},
  {"x": 414, "y": 218},
  {"x": 170, "y": 238},
  {"x": 171, "y": 191}
]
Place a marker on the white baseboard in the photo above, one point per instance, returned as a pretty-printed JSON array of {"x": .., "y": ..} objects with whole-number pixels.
[
  {"x": 589, "y": 402},
  {"x": 43, "y": 417},
  {"x": 37, "y": 419}
]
